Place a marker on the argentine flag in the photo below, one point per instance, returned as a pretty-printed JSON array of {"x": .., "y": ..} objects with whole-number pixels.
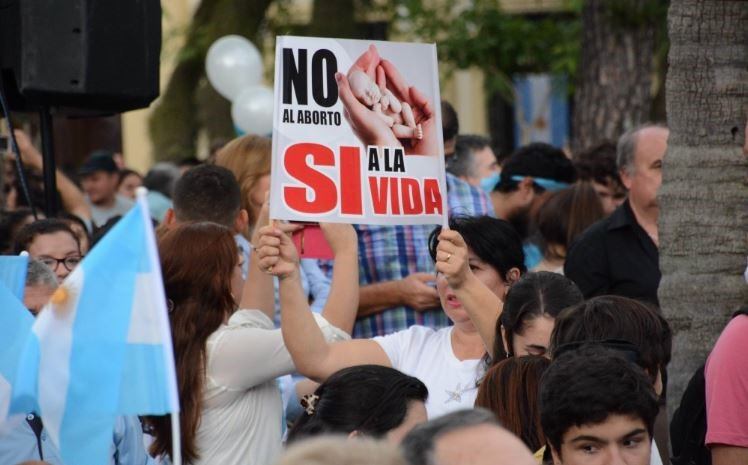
[
  {"x": 541, "y": 110},
  {"x": 102, "y": 348}
]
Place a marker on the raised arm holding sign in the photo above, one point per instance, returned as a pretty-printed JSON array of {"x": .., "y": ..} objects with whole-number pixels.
[{"x": 346, "y": 150}]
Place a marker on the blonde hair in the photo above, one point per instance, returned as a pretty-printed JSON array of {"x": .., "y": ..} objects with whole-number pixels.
[
  {"x": 339, "y": 450},
  {"x": 248, "y": 157}
]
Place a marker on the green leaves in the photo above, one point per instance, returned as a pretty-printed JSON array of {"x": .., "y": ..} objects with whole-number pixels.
[{"x": 500, "y": 44}]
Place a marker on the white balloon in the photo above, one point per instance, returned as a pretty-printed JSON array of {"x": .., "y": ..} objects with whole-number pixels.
[
  {"x": 233, "y": 63},
  {"x": 252, "y": 110}
]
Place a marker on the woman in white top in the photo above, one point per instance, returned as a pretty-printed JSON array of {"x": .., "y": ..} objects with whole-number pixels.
[
  {"x": 486, "y": 257},
  {"x": 227, "y": 360}
]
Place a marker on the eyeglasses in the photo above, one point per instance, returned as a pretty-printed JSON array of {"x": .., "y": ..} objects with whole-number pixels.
[{"x": 68, "y": 262}]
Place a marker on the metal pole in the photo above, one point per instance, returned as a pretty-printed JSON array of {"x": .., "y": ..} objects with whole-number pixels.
[{"x": 48, "y": 153}]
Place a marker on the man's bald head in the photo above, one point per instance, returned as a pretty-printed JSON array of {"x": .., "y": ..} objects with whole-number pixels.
[
  {"x": 640, "y": 156},
  {"x": 464, "y": 437},
  {"x": 481, "y": 445}
]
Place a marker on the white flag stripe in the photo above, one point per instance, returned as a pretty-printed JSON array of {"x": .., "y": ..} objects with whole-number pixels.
[
  {"x": 542, "y": 93},
  {"x": 160, "y": 302},
  {"x": 54, "y": 330},
  {"x": 145, "y": 325},
  {"x": 165, "y": 328}
]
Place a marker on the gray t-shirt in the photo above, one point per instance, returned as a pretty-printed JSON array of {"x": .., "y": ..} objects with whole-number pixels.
[{"x": 100, "y": 215}]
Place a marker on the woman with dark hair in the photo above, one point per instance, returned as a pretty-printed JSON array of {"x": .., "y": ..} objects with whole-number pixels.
[
  {"x": 52, "y": 242},
  {"x": 449, "y": 360},
  {"x": 80, "y": 229},
  {"x": 562, "y": 218},
  {"x": 530, "y": 310},
  {"x": 510, "y": 390},
  {"x": 365, "y": 400},
  {"x": 226, "y": 359}
]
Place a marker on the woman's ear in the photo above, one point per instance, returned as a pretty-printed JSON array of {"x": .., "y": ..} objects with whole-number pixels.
[
  {"x": 658, "y": 387},
  {"x": 241, "y": 222},
  {"x": 169, "y": 217},
  {"x": 354, "y": 434},
  {"x": 512, "y": 276}
]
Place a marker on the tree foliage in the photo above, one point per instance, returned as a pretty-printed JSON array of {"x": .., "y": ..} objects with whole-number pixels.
[
  {"x": 189, "y": 103},
  {"x": 500, "y": 44},
  {"x": 469, "y": 34}
]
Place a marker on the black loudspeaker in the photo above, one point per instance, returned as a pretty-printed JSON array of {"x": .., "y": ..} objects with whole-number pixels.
[{"x": 94, "y": 55}]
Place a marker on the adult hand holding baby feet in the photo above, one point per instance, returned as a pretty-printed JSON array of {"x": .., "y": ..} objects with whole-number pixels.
[
  {"x": 383, "y": 110},
  {"x": 398, "y": 115},
  {"x": 420, "y": 106},
  {"x": 369, "y": 127}
]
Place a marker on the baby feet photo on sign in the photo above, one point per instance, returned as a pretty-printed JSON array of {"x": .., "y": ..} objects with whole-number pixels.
[{"x": 383, "y": 109}]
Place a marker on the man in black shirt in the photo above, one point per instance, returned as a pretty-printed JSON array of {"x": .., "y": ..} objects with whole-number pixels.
[{"x": 618, "y": 255}]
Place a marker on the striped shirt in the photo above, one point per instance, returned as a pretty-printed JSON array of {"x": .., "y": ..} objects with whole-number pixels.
[{"x": 388, "y": 253}]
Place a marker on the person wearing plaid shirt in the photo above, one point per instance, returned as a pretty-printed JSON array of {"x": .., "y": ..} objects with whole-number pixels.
[{"x": 396, "y": 272}]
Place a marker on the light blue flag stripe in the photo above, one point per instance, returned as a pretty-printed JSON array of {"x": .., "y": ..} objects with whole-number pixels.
[
  {"x": 26, "y": 386},
  {"x": 15, "y": 327},
  {"x": 560, "y": 117},
  {"x": 141, "y": 363},
  {"x": 13, "y": 273}
]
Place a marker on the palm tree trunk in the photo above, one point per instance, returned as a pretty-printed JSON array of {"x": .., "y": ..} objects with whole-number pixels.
[{"x": 703, "y": 209}]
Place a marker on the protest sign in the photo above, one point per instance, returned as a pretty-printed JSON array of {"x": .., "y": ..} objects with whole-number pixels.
[{"x": 357, "y": 132}]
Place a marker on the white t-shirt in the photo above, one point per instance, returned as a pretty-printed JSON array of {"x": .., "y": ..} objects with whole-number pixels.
[
  {"x": 427, "y": 354},
  {"x": 241, "y": 422}
]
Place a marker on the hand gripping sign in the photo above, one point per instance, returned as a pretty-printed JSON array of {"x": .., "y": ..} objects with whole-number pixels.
[{"x": 357, "y": 133}]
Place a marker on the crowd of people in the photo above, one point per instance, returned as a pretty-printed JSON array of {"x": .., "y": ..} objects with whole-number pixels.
[{"x": 527, "y": 332}]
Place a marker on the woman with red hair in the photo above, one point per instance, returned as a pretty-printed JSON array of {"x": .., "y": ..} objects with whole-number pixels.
[{"x": 226, "y": 350}]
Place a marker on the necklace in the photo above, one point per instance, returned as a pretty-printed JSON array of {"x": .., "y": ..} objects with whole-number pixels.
[{"x": 456, "y": 395}]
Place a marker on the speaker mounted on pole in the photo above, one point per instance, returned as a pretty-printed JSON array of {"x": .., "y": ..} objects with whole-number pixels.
[
  {"x": 77, "y": 58},
  {"x": 80, "y": 56}
]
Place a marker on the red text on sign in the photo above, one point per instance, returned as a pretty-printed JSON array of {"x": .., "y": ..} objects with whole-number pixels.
[{"x": 390, "y": 195}]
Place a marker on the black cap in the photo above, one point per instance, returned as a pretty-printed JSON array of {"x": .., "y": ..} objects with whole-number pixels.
[{"x": 100, "y": 160}]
